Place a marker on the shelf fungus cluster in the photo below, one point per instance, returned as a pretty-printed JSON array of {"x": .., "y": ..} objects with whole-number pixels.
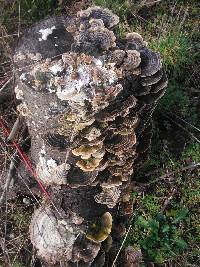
[{"x": 87, "y": 97}]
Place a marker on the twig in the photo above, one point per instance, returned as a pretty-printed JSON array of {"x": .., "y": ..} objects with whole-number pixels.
[
  {"x": 8, "y": 35},
  {"x": 146, "y": 21},
  {"x": 19, "y": 22},
  {"x": 5, "y": 84},
  {"x": 113, "y": 265},
  {"x": 167, "y": 175},
  {"x": 168, "y": 199},
  {"x": 145, "y": 3},
  {"x": 11, "y": 173},
  {"x": 5, "y": 251},
  {"x": 14, "y": 130},
  {"x": 179, "y": 125},
  {"x": 186, "y": 122},
  {"x": 25, "y": 159}
]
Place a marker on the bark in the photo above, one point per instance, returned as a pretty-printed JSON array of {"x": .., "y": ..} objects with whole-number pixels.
[{"x": 87, "y": 98}]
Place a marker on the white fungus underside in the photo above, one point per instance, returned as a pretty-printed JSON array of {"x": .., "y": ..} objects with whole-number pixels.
[
  {"x": 45, "y": 33},
  {"x": 50, "y": 238},
  {"x": 76, "y": 90},
  {"x": 49, "y": 172}
]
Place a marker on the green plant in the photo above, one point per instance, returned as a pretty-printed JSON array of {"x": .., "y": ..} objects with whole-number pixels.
[
  {"x": 161, "y": 239},
  {"x": 192, "y": 152},
  {"x": 150, "y": 204},
  {"x": 37, "y": 9}
]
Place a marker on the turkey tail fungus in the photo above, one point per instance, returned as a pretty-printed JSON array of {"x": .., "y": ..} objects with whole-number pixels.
[{"x": 87, "y": 97}]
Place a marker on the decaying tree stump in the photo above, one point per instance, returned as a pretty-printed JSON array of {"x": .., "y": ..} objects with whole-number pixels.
[{"x": 87, "y": 98}]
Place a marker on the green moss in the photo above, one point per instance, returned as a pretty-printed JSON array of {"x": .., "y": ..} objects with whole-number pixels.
[
  {"x": 151, "y": 205},
  {"x": 173, "y": 232}
]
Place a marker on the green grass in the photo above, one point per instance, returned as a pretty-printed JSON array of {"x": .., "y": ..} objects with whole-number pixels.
[
  {"x": 175, "y": 49},
  {"x": 120, "y": 7},
  {"x": 171, "y": 232},
  {"x": 30, "y": 11}
]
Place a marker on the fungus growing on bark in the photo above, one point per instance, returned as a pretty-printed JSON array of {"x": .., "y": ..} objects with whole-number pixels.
[
  {"x": 56, "y": 140},
  {"x": 134, "y": 39},
  {"x": 109, "y": 196},
  {"x": 88, "y": 165},
  {"x": 101, "y": 230},
  {"x": 23, "y": 109},
  {"x": 151, "y": 62},
  {"x": 50, "y": 172},
  {"x": 110, "y": 20},
  {"x": 87, "y": 151},
  {"x": 87, "y": 97},
  {"x": 53, "y": 240},
  {"x": 84, "y": 250},
  {"x": 132, "y": 60}
]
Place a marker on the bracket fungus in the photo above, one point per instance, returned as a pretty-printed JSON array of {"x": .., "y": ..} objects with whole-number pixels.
[
  {"x": 99, "y": 232},
  {"x": 87, "y": 97}
]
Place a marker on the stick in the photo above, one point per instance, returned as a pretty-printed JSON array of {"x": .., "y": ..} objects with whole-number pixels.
[
  {"x": 186, "y": 122},
  {"x": 113, "y": 265},
  {"x": 167, "y": 175},
  {"x": 14, "y": 130},
  {"x": 179, "y": 125},
  {"x": 11, "y": 173},
  {"x": 5, "y": 84}
]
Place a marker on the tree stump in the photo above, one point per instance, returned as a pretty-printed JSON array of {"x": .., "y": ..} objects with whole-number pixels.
[{"x": 87, "y": 97}]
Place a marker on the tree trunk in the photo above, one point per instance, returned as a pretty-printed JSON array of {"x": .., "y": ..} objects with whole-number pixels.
[{"x": 87, "y": 98}]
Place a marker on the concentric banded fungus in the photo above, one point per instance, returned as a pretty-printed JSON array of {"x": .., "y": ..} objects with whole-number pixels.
[
  {"x": 132, "y": 257},
  {"x": 86, "y": 152},
  {"x": 103, "y": 37},
  {"x": 108, "y": 196},
  {"x": 54, "y": 241},
  {"x": 85, "y": 250},
  {"x": 135, "y": 40},
  {"x": 110, "y": 20},
  {"x": 87, "y": 97},
  {"x": 146, "y": 81},
  {"x": 117, "y": 56},
  {"x": 132, "y": 60},
  {"x": 56, "y": 140},
  {"x": 151, "y": 62}
]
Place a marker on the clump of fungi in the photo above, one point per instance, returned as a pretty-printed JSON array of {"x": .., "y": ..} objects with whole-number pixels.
[{"x": 87, "y": 97}]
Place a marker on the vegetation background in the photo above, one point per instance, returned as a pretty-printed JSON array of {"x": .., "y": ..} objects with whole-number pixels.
[{"x": 165, "y": 223}]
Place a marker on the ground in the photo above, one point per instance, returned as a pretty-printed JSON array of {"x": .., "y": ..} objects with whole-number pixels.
[{"x": 165, "y": 222}]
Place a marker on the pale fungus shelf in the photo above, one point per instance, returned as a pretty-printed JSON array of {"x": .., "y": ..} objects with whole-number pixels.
[{"x": 87, "y": 97}]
